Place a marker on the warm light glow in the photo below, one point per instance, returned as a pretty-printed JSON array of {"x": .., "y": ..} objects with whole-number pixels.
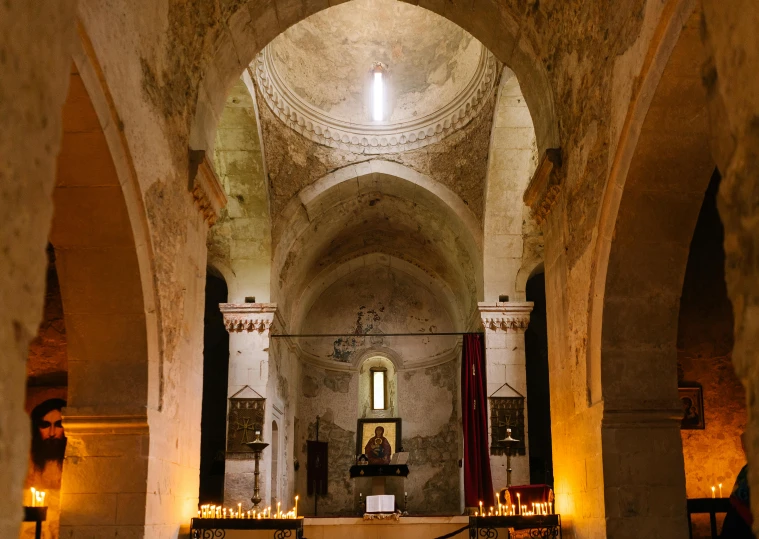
[
  {"x": 378, "y": 97},
  {"x": 378, "y": 386}
]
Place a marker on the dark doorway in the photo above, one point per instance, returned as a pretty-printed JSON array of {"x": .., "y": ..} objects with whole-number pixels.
[
  {"x": 538, "y": 396},
  {"x": 213, "y": 423}
]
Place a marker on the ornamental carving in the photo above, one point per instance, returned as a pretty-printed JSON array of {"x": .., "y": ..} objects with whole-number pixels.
[
  {"x": 509, "y": 316},
  {"x": 544, "y": 187},
  {"x": 318, "y": 126},
  {"x": 248, "y": 317},
  {"x": 205, "y": 188}
]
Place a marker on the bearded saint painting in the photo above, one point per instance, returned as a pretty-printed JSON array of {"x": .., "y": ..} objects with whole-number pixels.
[
  {"x": 48, "y": 445},
  {"x": 378, "y": 449}
]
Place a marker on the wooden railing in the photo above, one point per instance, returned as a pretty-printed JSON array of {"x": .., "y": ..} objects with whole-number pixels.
[{"x": 712, "y": 506}]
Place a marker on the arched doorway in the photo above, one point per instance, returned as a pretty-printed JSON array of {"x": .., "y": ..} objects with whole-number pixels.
[{"x": 213, "y": 433}]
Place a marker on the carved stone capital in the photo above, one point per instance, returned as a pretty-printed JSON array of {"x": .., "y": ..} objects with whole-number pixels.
[
  {"x": 509, "y": 316},
  {"x": 544, "y": 187},
  {"x": 205, "y": 187},
  {"x": 248, "y": 317}
]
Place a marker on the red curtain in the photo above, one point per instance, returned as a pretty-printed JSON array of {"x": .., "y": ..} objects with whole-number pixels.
[{"x": 478, "y": 483}]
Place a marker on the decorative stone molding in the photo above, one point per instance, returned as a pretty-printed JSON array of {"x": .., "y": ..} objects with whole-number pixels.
[
  {"x": 205, "y": 187},
  {"x": 248, "y": 317},
  {"x": 78, "y": 422},
  {"x": 508, "y": 316},
  {"x": 664, "y": 417},
  {"x": 544, "y": 187},
  {"x": 318, "y": 126}
]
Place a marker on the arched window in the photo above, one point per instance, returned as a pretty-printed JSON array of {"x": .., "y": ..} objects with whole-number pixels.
[{"x": 377, "y": 393}]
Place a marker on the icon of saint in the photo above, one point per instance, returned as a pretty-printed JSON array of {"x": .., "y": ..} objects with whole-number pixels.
[{"x": 378, "y": 449}]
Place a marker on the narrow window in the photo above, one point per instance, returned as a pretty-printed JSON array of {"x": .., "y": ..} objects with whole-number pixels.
[
  {"x": 378, "y": 93},
  {"x": 379, "y": 385}
]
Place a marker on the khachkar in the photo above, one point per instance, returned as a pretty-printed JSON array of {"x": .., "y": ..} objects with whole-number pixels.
[
  {"x": 249, "y": 326},
  {"x": 505, "y": 324}
]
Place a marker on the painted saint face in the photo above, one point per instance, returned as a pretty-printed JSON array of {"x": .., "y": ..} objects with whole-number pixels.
[{"x": 51, "y": 425}]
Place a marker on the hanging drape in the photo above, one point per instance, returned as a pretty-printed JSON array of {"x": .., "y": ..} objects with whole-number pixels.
[{"x": 478, "y": 483}]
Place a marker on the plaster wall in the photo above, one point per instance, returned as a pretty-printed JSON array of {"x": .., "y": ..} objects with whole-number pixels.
[{"x": 373, "y": 300}]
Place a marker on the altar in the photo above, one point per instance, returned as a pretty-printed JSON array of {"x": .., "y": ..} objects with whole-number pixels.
[{"x": 397, "y": 527}]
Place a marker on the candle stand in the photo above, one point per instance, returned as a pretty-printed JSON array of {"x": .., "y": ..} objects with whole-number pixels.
[
  {"x": 257, "y": 446},
  {"x": 509, "y": 443},
  {"x": 534, "y": 525},
  {"x": 38, "y": 515},
  {"x": 216, "y": 528}
]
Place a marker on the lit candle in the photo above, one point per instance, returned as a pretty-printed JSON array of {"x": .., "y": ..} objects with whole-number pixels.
[
  {"x": 481, "y": 513},
  {"x": 296, "y": 506},
  {"x": 491, "y": 510},
  {"x": 279, "y": 513},
  {"x": 513, "y": 509},
  {"x": 720, "y": 490},
  {"x": 519, "y": 502},
  {"x": 713, "y": 495}
]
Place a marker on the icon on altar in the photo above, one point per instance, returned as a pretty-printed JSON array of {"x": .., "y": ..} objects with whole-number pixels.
[{"x": 378, "y": 449}]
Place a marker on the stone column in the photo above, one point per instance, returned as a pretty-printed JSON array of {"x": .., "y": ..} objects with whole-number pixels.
[
  {"x": 505, "y": 324},
  {"x": 248, "y": 325}
]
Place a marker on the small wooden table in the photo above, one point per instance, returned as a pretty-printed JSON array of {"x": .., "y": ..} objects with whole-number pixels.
[
  {"x": 215, "y": 528},
  {"x": 707, "y": 505}
]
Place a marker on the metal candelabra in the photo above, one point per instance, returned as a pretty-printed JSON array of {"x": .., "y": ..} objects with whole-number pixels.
[
  {"x": 257, "y": 446},
  {"x": 509, "y": 442}
]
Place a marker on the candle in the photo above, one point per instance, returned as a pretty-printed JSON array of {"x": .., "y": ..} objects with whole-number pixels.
[
  {"x": 713, "y": 495},
  {"x": 481, "y": 512},
  {"x": 296, "y": 507},
  {"x": 513, "y": 509},
  {"x": 720, "y": 490},
  {"x": 279, "y": 513},
  {"x": 519, "y": 502}
]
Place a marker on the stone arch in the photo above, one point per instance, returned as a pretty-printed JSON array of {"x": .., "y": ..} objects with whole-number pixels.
[
  {"x": 638, "y": 167},
  {"x": 313, "y": 208},
  {"x": 244, "y": 227},
  {"x": 321, "y": 195},
  {"x": 100, "y": 235},
  {"x": 650, "y": 207},
  {"x": 248, "y": 28},
  {"x": 512, "y": 239}
]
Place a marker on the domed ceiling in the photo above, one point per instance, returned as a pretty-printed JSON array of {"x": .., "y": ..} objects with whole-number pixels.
[{"x": 316, "y": 76}]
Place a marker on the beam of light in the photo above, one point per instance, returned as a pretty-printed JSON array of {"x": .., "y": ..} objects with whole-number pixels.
[{"x": 378, "y": 97}]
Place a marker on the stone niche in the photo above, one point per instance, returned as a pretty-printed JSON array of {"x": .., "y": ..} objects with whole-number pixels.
[{"x": 423, "y": 379}]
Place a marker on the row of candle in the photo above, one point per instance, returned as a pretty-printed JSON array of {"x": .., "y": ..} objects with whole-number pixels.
[
  {"x": 38, "y": 497},
  {"x": 714, "y": 491},
  {"x": 513, "y": 510},
  {"x": 218, "y": 511}
]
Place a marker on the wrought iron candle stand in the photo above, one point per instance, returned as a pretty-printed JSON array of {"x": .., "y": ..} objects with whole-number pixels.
[
  {"x": 509, "y": 443},
  {"x": 257, "y": 445}
]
